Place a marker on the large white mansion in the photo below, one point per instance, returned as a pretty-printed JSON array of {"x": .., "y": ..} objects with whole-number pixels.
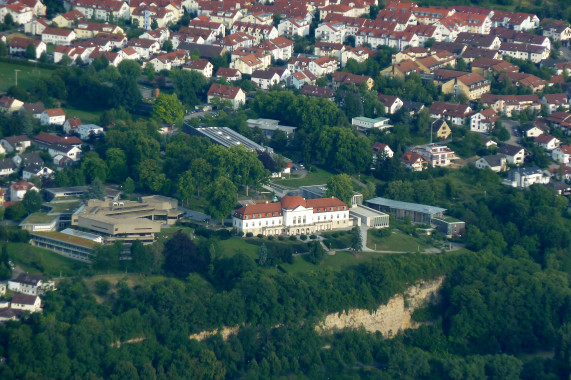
[{"x": 293, "y": 216}]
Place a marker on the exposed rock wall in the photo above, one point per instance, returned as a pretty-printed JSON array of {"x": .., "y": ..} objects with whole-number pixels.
[{"x": 389, "y": 319}]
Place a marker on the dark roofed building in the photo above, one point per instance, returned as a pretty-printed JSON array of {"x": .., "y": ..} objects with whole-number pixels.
[{"x": 204, "y": 51}]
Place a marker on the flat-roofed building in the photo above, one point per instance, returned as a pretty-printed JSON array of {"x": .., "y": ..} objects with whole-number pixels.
[
  {"x": 318, "y": 191},
  {"x": 364, "y": 123},
  {"x": 128, "y": 221},
  {"x": 74, "y": 244},
  {"x": 450, "y": 226},
  {"x": 78, "y": 192},
  {"x": 224, "y": 136},
  {"x": 369, "y": 217},
  {"x": 418, "y": 213},
  {"x": 270, "y": 126}
]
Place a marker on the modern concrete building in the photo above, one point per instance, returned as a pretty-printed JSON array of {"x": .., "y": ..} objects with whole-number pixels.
[
  {"x": 128, "y": 221},
  {"x": 369, "y": 217},
  {"x": 224, "y": 136},
  {"x": 418, "y": 213},
  {"x": 318, "y": 191},
  {"x": 365, "y": 123},
  {"x": 70, "y": 243},
  {"x": 270, "y": 126},
  {"x": 450, "y": 226}
]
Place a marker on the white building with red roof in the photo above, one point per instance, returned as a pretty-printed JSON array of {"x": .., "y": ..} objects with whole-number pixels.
[
  {"x": 9, "y": 104},
  {"x": 323, "y": 66},
  {"x": 555, "y": 101},
  {"x": 292, "y": 215},
  {"x": 21, "y": 13},
  {"x": 200, "y": 65},
  {"x": 58, "y": 36},
  {"x": 297, "y": 26},
  {"x": 102, "y": 9},
  {"x": 229, "y": 74},
  {"x": 235, "y": 95},
  {"x": 562, "y": 154},
  {"x": 19, "y": 189},
  {"x": 53, "y": 116}
]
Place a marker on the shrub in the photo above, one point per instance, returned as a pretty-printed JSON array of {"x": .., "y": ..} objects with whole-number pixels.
[
  {"x": 260, "y": 236},
  {"x": 293, "y": 238},
  {"x": 313, "y": 237},
  {"x": 249, "y": 234},
  {"x": 303, "y": 237},
  {"x": 102, "y": 287},
  {"x": 270, "y": 238},
  {"x": 335, "y": 235},
  {"x": 281, "y": 238}
]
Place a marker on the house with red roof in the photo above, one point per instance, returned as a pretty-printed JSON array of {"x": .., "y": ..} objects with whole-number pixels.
[
  {"x": 102, "y": 9},
  {"x": 19, "y": 189},
  {"x": 413, "y": 161},
  {"x": 229, "y": 74},
  {"x": 9, "y": 104},
  {"x": 57, "y": 36},
  {"x": 556, "y": 102},
  {"x": 292, "y": 215},
  {"x": 235, "y": 95},
  {"x": 19, "y": 45},
  {"x": 547, "y": 142},
  {"x": 53, "y": 116},
  {"x": 562, "y": 154},
  {"x": 483, "y": 121},
  {"x": 68, "y": 19}
]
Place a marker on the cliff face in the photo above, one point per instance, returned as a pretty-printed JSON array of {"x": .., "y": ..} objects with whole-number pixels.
[{"x": 388, "y": 319}]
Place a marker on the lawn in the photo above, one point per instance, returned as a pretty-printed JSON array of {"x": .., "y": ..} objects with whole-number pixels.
[
  {"x": 317, "y": 176},
  {"x": 87, "y": 117},
  {"x": 397, "y": 241},
  {"x": 38, "y": 260},
  {"x": 27, "y": 75},
  {"x": 196, "y": 204},
  {"x": 341, "y": 260}
]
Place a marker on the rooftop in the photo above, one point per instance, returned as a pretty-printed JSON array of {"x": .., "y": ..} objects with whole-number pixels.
[
  {"x": 416, "y": 207},
  {"x": 67, "y": 238},
  {"x": 39, "y": 218}
]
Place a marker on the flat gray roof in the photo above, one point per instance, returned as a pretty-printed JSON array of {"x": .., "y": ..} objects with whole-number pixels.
[
  {"x": 416, "y": 207},
  {"x": 226, "y": 137},
  {"x": 366, "y": 211},
  {"x": 270, "y": 125}
]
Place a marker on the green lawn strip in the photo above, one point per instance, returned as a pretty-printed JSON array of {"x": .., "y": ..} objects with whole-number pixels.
[
  {"x": 27, "y": 75},
  {"x": 196, "y": 204},
  {"x": 397, "y": 242},
  {"x": 341, "y": 260},
  {"x": 87, "y": 117},
  {"x": 317, "y": 176},
  {"x": 38, "y": 260}
]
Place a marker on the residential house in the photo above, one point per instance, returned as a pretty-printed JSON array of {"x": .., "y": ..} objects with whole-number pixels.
[
  {"x": 7, "y": 167},
  {"x": 535, "y": 130},
  {"x": 161, "y": 35},
  {"x": 31, "y": 284},
  {"x": 557, "y": 30},
  {"x": 236, "y": 40},
  {"x": 525, "y": 177},
  {"x": 21, "y": 13},
  {"x": 496, "y": 163},
  {"x": 144, "y": 16},
  {"x": 349, "y": 79},
  {"x": 45, "y": 140},
  {"x": 34, "y": 109},
  {"x": 16, "y": 143},
  {"x": 413, "y": 161},
  {"x": 562, "y": 154},
  {"x": 381, "y": 151},
  {"x": 90, "y": 29},
  {"x": 280, "y": 48},
  {"x": 440, "y": 129},
  {"x": 235, "y": 95},
  {"x": 454, "y": 113},
  {"x": 533, "y": 53},
  {"x": 508, "y": 103},
  {"x": 320, "y": 92},
  {"x": 301, "y": 78},
  {"x": 68, "y": 19},
  {"x": 323, "y": 66},
  {"x": 57, "y": 36},
  {"x": 514, "y": 154},
  {"x": 258, "y": 31},
  {"x": 26, "y": 302},
  {"x": 144, "y": 47},
  {"x": 200, "y": 65},
  {"x": 483, "y": 121},
  {"x": 556, "y": 102},
  {"x": 19, "y": 45},
  {"x": 412, "y": 107},
  {"x": 525, "y": 80},
  {"x": 87, "y": 131},
  {"x": 403, "y": 69},
  {"x": 247, "y": 64},
  {"x": 489, "y": 66},
  {"x": 40, "y": 171},
  {"x": 37, "y": 26},
  {"x": 365, "y": 123},
  {"x": 436, "y": 155},
  {"x": 9, "y": 104},
  {"x": 66, "y": 150},
  {"x": 282, "y": 71},
  {"x": 331, "y": 32},
  {"x": 547, "y": 142},
  {"x": 19, "y": 189},
  {"x": 229, "y": 74},
  {"x": 70, "y": 126},
  {"x": 296, "y": 26},
  {"x": 472, "y": 85},
  {"x": 392, "y": 103},
  {"x": 358, "y": 54},
  {"x": 104, "y": 10},
  {"x": 265, "y": 79},
  {"x": 53, "y": 116}
]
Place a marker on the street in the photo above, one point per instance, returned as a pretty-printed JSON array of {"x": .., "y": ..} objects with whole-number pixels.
[{"x": 511, "y": 126}]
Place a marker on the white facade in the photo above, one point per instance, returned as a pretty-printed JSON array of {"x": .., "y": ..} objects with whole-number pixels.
[
  {"x": 367, "y": 123},
  {"x": 27, "y": 303},
  {"x": 561, "y": 154}
]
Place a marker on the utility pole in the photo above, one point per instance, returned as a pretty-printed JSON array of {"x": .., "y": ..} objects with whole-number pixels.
[{"x": 16, "y": 73}]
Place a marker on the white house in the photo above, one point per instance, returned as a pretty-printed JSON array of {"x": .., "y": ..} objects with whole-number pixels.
[
  {"x": 392, "y": 103},
  {"x": 26, "y": 302},
  {"x": 16, "y": 143},
  {"x": 381, "y": 150},
  {"x": 235, "y": 95},
  {"x": 58, "y": 36},
  {"x": 483, "y": 121},
  {"x": 19, "y": 189},
  {"x": 525, "y": 177},
  {"x": 297, "y": 26},
  {"x": 515, "y": 155},
  {"x": 67, "y": 150},
  {"x": 52, "y": 116},
  {"x": 36, "y": 171},
  {"x": 85, "y": 131},
  {"x": 547, "y": 142},
  {"x": 365, "y": 123},
  {"x": 496, "y": 163},
  {"x": 292, "y": 216},
  {"x": 561, "y": 154},
  {"x": 265, "y": 79},
  {"x": 200, "y": 65},
  {"x": 31, "y": 284},
  {"x": 19, "y": 45}
]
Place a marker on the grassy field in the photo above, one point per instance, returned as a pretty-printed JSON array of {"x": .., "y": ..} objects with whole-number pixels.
[
  {"x": 87, "y": 117},
  {"x": 397, "y": 242},
  {"x": 39, "y": 260},
  {"x": 316, "y": 177},
  {"x": 195, "y": 204},
  {"x": 27, "y": 75},
  {"x": 337, "y": 262}
]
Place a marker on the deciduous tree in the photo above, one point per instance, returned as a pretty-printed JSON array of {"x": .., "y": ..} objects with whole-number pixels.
[{"x": 222, "y": 196}]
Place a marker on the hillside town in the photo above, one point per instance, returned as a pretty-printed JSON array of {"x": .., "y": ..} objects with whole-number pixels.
[{"x": 244, "y": 151}]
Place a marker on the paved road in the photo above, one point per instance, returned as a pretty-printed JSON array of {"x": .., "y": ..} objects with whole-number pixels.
[{"x": 195, "y": 215}]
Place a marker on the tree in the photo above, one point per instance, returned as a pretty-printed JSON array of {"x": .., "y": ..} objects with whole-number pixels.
[
  {"x": 182, "y": 256},
  {"x": 96, "y": 190},
  {"x": 186, "y": 185},
  {"x": 222, "y": 196},
  {"x": 356, "y": 240},
  {"x": 263, "y": 252},
  {"x": 3, "y": 49},
  {"x": 202, "y": 173},
  {"x": 16, "y": 212},
  {"x": 140, "y": 256},
  {"x": 94, "y": 167},
  {"x": 168, "y": 46},
  {"x": 30, "y": 52},
  {"x": 340, "y": 186},
  {"x": 130, "y": 69},
  {"x": 129, "y": 186},
  {"x": 5, "y": 268},
  {"x": 32, "y": 201},
  {"x": 316, "y": 252},
  {"x": 167, "y": 108},
  {"x": 151, "y": 175},
  {"x": 149, "y": 71},
  {"x": 107, "y": 256},
  {"x": 65, "y": 60},
  {"x": 154, "y": 24},
  {"x": 116, "y": 162}
]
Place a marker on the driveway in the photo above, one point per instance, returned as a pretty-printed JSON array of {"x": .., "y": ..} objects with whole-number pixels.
[{"x": 511, "y": 126}]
